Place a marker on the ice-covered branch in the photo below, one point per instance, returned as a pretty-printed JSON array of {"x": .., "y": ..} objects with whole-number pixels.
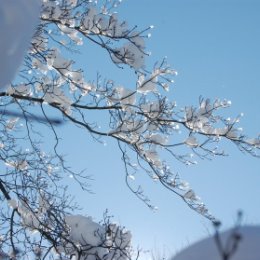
[{"x": 151, "y": 131}]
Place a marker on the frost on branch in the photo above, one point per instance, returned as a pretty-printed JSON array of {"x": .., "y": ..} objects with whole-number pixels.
[
  {"x": 68, "y": 236},
  {"x": 101, "y": 27},
  {"x": 151, "y": 131}
]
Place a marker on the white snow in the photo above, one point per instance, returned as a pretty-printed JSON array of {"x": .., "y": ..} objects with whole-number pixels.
[
  {"x": 84, "y": 230},
  {"x": 96, "y": 241},
  {"x": 206, "y": 249},
  {"x": 13, "y": 203},
  {"x": 192, "y": 141},
  {"x": 28, "y": 217},
  {"x": 11, "y": 123},
  {"x": 158, "y": 139},
  {"x": 18, "y": 19},
  {"x": 190, "y": 195}
]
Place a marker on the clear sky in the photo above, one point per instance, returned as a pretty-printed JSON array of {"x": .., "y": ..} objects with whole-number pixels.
[{"x": 215, "y": 47}]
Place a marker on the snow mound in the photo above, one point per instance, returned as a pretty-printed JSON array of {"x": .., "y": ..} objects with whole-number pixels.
[
  {"x": 206, "y": 249},
  {"x": 18, "y": 19}
]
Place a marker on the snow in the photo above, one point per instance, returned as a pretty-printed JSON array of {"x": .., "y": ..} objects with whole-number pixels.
[
  {"x": 248, "y": 247},
  {"x": 191, "y": 141},
  {"x": 13, "y": 203},
  {"x": 11, "y": 123},
  {"x": 71, "y": 33},
  {"x": 153, "y": 156},
  {"x": 84, "y": 230},
  {"x": 253, "y": 141},
  {"x": 18, "y": 19},
  {"x": 29, "y": 219},
  {"x": 56, "y": 61},
  {"x": 158, "y": 139},
  {"x": 147, "y": 87},
  {"x": 152, "y": 109},
  {"x": 129, "y": 54},
  {"x": 21, "y": 89},
  {"x": 4, "y": 256},
  {"x": 53, "y": 94},
  {"x": 126, "y": 96},
  {"x": 89, "y": 18},
  {"x": 190, "y": 195},
  {"x": 96, "y": 241}
]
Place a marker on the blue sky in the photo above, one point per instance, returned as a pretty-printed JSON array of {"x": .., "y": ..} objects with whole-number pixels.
[{"x": 214, "y": 45}]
